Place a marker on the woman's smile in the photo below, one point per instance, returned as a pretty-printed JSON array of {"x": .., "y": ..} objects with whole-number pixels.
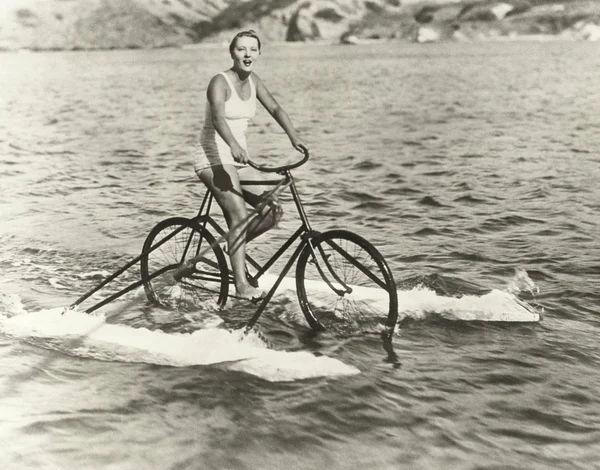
[{"x": 245, "y": 53}]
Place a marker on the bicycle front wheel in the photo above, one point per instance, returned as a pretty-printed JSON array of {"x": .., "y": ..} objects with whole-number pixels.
[
  {"x": 345, "y": 286},
  {"x": 169, "y": 245}
]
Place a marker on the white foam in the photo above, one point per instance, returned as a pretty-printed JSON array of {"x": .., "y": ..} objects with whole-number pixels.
[
  {"x": 212, "y": 344},
  {"x": 420, "y": 302},
  {"x": 290, "y": 366},
  {"x": 495, "y": 306},
  {"x": 10, "y": 304},
  {"x": 202, "y": 347},
  {"x": 95, "y": 274}
]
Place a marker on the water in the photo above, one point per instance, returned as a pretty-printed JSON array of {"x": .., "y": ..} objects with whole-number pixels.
[{"x": 472, "y": 167}]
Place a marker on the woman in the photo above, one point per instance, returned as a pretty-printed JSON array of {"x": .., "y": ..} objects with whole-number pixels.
[{"x": 222, "y": 155}]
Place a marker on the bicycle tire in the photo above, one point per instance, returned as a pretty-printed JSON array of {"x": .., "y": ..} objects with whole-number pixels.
[
  {"x": 205, "y": 287},
  {"x": 372, "y": 304}
]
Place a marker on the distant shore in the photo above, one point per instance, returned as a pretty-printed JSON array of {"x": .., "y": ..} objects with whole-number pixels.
[
  {"x": 40, "y": 25},
  {"x": 218, "y": 45}
]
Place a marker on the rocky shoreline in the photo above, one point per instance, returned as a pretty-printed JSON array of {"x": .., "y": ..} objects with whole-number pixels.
[{"x": 130, "y": 24}]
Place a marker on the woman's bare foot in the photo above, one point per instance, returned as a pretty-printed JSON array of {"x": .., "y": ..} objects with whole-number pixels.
[{"x": 248, "y": 292}]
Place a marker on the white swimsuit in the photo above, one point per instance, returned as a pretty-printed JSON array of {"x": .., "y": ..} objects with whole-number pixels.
[{"x": 211, "y": 149}]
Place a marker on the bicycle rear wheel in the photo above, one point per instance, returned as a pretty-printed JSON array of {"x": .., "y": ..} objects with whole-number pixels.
[
  {"x": 345, "y": 286},
  {"x": 169, "y": 244}
]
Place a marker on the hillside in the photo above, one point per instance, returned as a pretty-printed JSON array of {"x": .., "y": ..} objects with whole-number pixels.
[{"x": 107, "y": 24}]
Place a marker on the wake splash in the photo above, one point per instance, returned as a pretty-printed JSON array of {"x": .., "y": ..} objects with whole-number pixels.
[
  {"x": 495, "y": 306},
  {"x": 88, "y": 335},
  {"x": 422, "y": 302}
]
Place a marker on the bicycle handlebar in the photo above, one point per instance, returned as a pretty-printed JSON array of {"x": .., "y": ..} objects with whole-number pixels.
[{"x": 280, "y": 169}]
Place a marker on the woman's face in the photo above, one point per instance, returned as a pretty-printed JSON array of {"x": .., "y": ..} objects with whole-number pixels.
[{"x": 245, "y": 53}]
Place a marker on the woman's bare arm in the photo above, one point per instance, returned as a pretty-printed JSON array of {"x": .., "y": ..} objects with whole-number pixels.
[{"x": 278, "y": 113}]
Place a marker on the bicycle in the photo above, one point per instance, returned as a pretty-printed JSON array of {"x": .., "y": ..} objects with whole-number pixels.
[
  {"x": 342, "y": 282},
  {"x": 338, "y": 273}
]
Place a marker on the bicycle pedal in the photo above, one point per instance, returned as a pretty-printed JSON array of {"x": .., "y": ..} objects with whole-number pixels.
[{"x": 253, "y": 282}]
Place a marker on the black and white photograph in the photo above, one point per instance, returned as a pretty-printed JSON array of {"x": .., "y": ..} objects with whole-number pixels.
[{"x": 299, "y": 234}]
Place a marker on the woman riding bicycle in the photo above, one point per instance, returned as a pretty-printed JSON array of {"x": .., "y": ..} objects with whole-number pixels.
[{"x": 221, "y": 156}]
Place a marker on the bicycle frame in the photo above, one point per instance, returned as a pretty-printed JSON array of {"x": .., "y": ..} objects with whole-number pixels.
[{"x": 304, "y": 233}]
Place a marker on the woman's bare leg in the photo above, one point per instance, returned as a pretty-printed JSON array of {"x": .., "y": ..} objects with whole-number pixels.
[
  {"x": 224, "y": 183},
  {"x": 270, "y": 214}
]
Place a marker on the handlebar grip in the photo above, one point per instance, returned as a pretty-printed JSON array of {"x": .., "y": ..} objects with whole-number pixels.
[{"x": 280, "y": 169}]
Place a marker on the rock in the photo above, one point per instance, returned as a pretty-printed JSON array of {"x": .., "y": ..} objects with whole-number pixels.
[
  {"x": 425, "y": 14},
  {"x": 303, "y": 24},
  {"x": 586, "y": 31},
  {"x": 501, "y": 10},
  {"x": 352, "y": 39},
  {"x": 428, "y": 34},
  {"x": 330, "y": 19},
  {"x": 318, "y": 20},
  {"x": 438, "y": 13},
  {"x": 591, "y": 32},
  {"x": 92, "y": 24},
  {"x": 479, "y": 12},
  {"x": 348, "y": 38}
]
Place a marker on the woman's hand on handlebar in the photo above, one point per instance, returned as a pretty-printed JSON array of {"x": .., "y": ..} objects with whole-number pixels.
[
  {"x": 299, "y": 145},
  {"x": 239, "y": 154},
  {"x": 279, "y": 169}
]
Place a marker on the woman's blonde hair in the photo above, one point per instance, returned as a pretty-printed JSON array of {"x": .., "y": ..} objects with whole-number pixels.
[{"x": 244, "y": 34}]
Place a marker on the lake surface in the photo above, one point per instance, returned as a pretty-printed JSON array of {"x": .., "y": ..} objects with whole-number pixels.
[{"x": 473, "y": 168}]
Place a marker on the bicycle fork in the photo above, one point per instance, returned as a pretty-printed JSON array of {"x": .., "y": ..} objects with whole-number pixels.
[{"x": 346, "y": 289}]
